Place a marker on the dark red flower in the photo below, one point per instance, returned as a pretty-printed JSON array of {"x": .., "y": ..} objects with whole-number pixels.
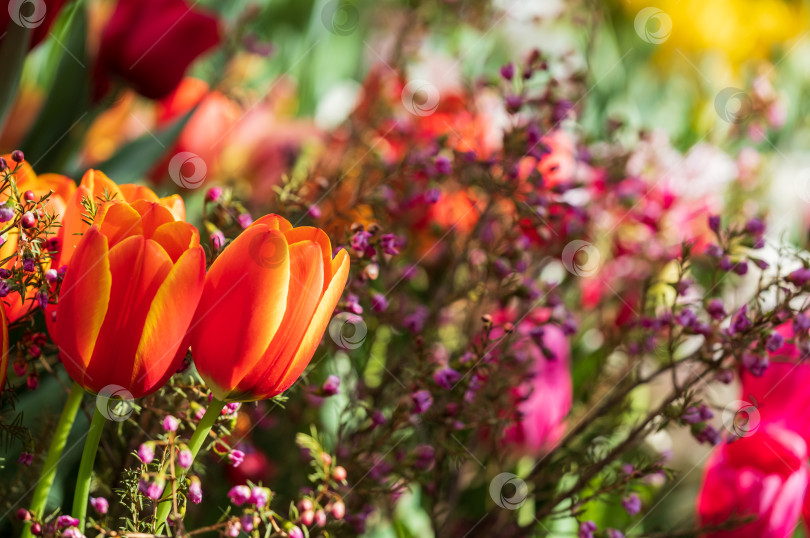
[{"x": 151, "y": 43}]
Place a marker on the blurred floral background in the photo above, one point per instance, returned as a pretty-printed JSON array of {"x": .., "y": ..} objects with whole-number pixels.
[{"x": 578, "y": 236}]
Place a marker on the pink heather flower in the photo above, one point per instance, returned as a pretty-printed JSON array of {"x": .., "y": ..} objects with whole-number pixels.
[
  {"x": 239, "y": 495},
  {"x": 25, "y": 459},
  {"x": 244, "y": 220},
  {"x": 338, "y": 510},
  {"x": 155, "y": 489},
  {"x": 763, "y": 476},
  {"x": 295, "y": 532},
  {"x": 72, "y": 532},
  {"x": 320, "y": 518},
  {"x": 100, "y": 505},
  {"x": 213, "y": 194},
  {"x": 146, "y": 452},
  {"x": 236, "y": 457},
  {"x": 613, "y": 533},
  {"x": 170, "y": 424},
  {"x": 259, "y": 496},
  {"x": 184, "y": 458},
  {"x": 66, "y": 521},
  {"x": 195, "y": 490}
]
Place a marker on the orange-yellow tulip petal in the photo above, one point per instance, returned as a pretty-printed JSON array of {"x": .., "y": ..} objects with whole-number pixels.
[
  {"x": 274, "y": 222},
  {"x": 83, "y": 303},
  {"x": 308, "y": 233},
  {"x": 156, "y": 358},
  {"x": 131, "y": 192},
  {"x": 98, "y": 183},
  {"x": 306, "y": 283},
  {"x": 176, "y": 238},
  {"x": 118, "y": 222},
  {"x": 317, "y": 326},
  {"x": 138, "y": 266},
  {"x": 175, "y": 204},
  {"x": 242, "y": 306},
  {"x": 153, "y": 215}
]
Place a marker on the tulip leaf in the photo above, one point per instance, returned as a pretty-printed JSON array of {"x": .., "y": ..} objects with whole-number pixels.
[
  {"x": 13, "y": 48},
  {"x": 56, "y": 131},
  {"x": 135, "y": 159}
]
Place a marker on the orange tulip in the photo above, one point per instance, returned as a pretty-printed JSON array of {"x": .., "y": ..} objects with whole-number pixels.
[
  {"x": 97, "y": 187},
  {"x": 62, "y": 189},
  {"x": 128, "y": 295},
  {"x": 266, "y": 303}
]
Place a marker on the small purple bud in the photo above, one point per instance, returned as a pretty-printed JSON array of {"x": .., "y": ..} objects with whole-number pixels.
[
  {"x": 714, "y": 251},
  {"x": 632, "y": 504},
  {"x": 755, "y": 363},
  {"x": 801, "y": 324},
  {"x": 586, "y": 529},
  {"x": 726, "y": 264},
  {"x": 715, "y": 309},
  {"x": 422, "y": 400},
  {"x": 613, "y": 533},
  {"x": 388, "y": 242},
  {"x": 774, "y": 342},
  {"x": 314, "y": 212},
  {"x": 741, "y": 268},
  {"x": 379, "y": 303},
  {"x": 443, "y": 165},
  {"x": 331, "y": 386},
  {"x": 446, "y": 377},
  {"x": 19, "y": 157},
  {"x": 714, "y": 223},
  {"x": 51, "y": 276},
  {"x": 691, "y": 416},
  {"x": 28, "y": 265},
  {"x": 259, "y": 496},
  {"x": 6, "y": 213},
  {"x": 755, "y": 227},
  {"x": 508, "y": 71},
  {"x": 155, "y": 489},
  {"x": 432, "y": 196},
  {"x": 28, "y": 220}
]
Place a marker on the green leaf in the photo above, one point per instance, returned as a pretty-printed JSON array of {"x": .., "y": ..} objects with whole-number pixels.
[
  {"x": 135, "y": 159},
  {"x": 57, "y": 130},
  {"x": 13, "y": 48}
]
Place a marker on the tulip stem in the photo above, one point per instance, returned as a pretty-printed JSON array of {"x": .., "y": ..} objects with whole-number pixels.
[
  {"x": 58, "y": 441},
  {"x": 82, "y": 495},
  {"x": 194, "y": 445}
]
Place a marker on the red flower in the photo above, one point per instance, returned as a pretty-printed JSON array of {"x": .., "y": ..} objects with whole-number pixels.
[{"x": 150, "y": 43}]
